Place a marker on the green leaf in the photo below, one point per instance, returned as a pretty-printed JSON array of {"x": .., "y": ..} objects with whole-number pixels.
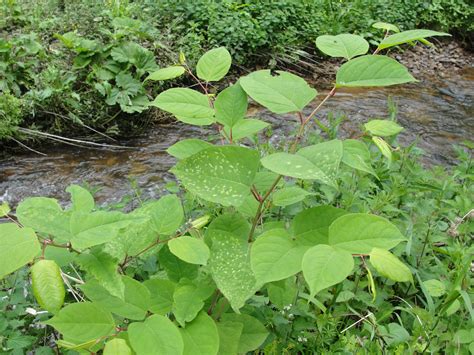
[
  {"x": 386, "y": 26},
  {"x": 344, "y": 45},
  {"x": 45, "y": 216},
  {"x": 382, "y": 128},
  {"x": 296, "y": 166},
  {"x": 245, "y": 128},
  {"x": 186, "y": 303},
  {"x": 167, "y": 214},
  {"x": 48, "y": 286},
  {"x": 189, "y": 249},
  {"x": 311, "y": 226},
  {"x": 275, "y": 256},
  {"x": 82, "y": 200},
  {"x": 214, "y": 64},
  {"x": 161, "y": 295},
  {"x": 357, "y": 156},
  {"x": 221, "y": 174},
  {"x": 117, "y": 347},
  {"x": 280, "y": 93},
  {"x": 435, "y": 287},
  {"x": 82, "y": 322},
  {"x": 229, "y": 336},
  {"x": 325, "y": 266},
  {"x": 289, "y": 196},
  {"x": 89, "y": 229},
  {"x": 359, "y": 233},
  {"x": 231, "y": 105},
  {"x": 156, "y": 335},
  {"x": 253, "y": 331},
  {"x": 135, "y": 302},
  {"x": 166, "y": 73},
  {"x": 18, "y": 247},
  {"x": 408, "y": 36},
  {"x": 200, "y": 337},
  {"x": 390, "y": 266},
  {"x": 372, "y": 70},
  {"x": 187, "y": 147},
  {"x": 189, "y": 106},
  {"x": 326, "y": 156},
  {"x": 230, "y": 268},
  {"x": 175, "y": 267},
  {"x": 104, "y": 268},
  {"x": 282, "y": 293},
  {"x": 383, "y": 147}
]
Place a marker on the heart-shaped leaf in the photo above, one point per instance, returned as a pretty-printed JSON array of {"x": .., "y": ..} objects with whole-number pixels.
[
  {"x": 359, "y": 233},
  {"x": 189, "y": 106},
  {"x": 219, "y": 174},
  {"x": 280, "y": 93},
  {"x": 344, "y": 45},
  {"x": 372, "y": 70},
  {"x": 214, "y": 64}
]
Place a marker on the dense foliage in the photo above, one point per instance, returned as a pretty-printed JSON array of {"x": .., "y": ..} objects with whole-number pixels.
[
  {"x": 315, "y": 244},
  {"x": 75, "y": 67}
]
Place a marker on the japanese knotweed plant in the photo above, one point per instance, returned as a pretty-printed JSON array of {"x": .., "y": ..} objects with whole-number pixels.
[{"x": 210, "y": 269}]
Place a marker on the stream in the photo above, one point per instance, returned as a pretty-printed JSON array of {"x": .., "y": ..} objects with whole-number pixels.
[{"x": 439, "y": 113}]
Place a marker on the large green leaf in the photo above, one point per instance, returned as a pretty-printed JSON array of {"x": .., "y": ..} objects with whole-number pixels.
[
  {"x": 134, "y": 304},
  {"x": 253, "y": 331},
  {"x": 357, "y": 156},
  {"x": 372, "y": 70},
  {"x": 344, "y": 45},
  {"x": 295, "y": 165},
  {"x": 18, "y": 247},
  {"x": 187, "y": 147},
  {"x": 311, "y": 226},
  {"x": 189, "y": 249},
  {"x": 161, "y": 292},
  {"x": 156, "y": 335},
  {"x": 117, "y": 347},
  {"x": 214, "y": 64},
  {"x": 408, "y": 36},
  {"x": 189, "y": 106},
  {"x": 289, "y": 195},
  {"x": 280, "y": 93},
  {"x": 104, "y": 268},
  {"x": 275, "y": 256},
  {"x": 390, "y": 266},
  {"x": 230, "y": 268},
  {"x": 166, "y": 73},
  {"x": 89, "y": 229},
  {"x": 231, "y": 105},
  {"x": 81, "y": 199},
  {"x": 245, "y": 128},
  {"x": 167, "y": 214},
  {"x": 233, "y": 223},
  {"x": 382, "y": 128},
  {"x": 45, "y": 216},
  {"x": 325, "y": 266},
  {"x": 82, "y": 322},
  {"x": 359, "y": 233},
  {"x": 219, "y": 174},
  {"x": 48, "y": 286},
  {"x": 200, "y": 337},
  {"x": 326, "y": 156}
]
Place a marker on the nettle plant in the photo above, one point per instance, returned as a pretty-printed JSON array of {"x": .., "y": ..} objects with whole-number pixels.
[{"x": 156, "y": 282}]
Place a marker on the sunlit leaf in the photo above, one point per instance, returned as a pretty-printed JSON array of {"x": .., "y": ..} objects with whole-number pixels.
[
  {"x": 117, "y": 347},
  {"x": 343, "y": 45},
  {"x": 189, "y": 249},
  {"x": 386, "y": 26},
  {"x": 81, "y": 199},
  {"x": 383, "y": 128},
  {"x": 166, "y": 73},
  {"x": 214, "y": 64},
  {"x": 48, "y": 286},
  {"x": 390, "y": 266}
]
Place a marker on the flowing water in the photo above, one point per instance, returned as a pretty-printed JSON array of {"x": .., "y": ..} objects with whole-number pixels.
[{"x": 437, "y": 113}]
